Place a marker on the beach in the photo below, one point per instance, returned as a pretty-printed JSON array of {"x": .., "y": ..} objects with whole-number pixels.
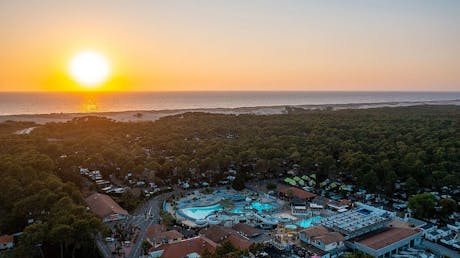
[{"x": 152, "y": 115}]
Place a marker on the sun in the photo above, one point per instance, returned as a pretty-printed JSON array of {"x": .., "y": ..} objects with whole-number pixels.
[{"x": 89, "y": 68}]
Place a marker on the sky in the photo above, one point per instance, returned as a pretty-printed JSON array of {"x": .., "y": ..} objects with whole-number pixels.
[{"x": 170, "y": 45}]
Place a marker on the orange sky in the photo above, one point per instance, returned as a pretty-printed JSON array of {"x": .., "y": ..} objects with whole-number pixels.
[{"x": 234, "y": 45}]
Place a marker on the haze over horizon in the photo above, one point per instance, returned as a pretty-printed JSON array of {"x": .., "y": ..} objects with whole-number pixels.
[{"x": 234, "y": 45}]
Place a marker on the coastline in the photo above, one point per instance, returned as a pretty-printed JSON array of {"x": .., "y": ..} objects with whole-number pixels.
[{"x": 152, "y": 115}]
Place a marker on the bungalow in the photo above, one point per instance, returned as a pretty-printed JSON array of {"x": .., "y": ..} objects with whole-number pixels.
[
  {"x": 6, "y": 242},
  {"x": 331, "y": 244},
  {"x": 105, "y": 207}
]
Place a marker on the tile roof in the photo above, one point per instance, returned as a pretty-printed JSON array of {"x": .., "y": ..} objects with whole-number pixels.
[
  {"x": 103, "y": 205},
  {"x": 315, "y": 231},
  {"x": 220, "y": 234},
  {"x": 166, "y": 235},
  {"x": 185, "y": 247},
  {"x": 321, "y": 233},
  {"x": 386, "y": 237},
  {"x": 239, "y": 242},
  {"x": 298, "y": 193},
  {"x": 154, "y": 230},
  {"x": 6, "y": 239},
  {"x": 216, "y": 233},
  {"x": 246, "y": 229},
  {"x": 330, "y": 237}
]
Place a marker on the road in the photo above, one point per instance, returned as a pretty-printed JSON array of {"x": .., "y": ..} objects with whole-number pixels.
[
  {"x": 143, "y": 217},
  {"x": 103, "y": 248}
]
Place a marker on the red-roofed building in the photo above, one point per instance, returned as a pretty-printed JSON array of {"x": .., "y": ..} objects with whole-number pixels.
[
  {"x": 220, "y": 234},
  {"x": 296, "y": 193},
  {"x": 246, "y": 230},
  {"x": 6, "y": 242},
  {"x": 105, "y": 207},
  {"x": 387, "y": 241},
  {"x": 157, "y": 235},
  {"x": 239, "y": 242},
  {"x": 185, "y": 248},
  {"x": 330, "y": 243}
]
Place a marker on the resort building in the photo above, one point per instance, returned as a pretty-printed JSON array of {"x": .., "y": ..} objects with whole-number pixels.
[
  {"x": 220, "y": 234},
  {"x": 6, "y": 242},
  {"x": 321, "y": 242},
  {"x": 386, "y": 242},
  {"x": 105, "y": 207},
  {"x": 293, "y": 193},
  {"x": 246, "y": 230},
  {"x": 157, "y": 235},
  {"x": 287, "y": 233},
  {"x": 192, "y": 247},
  {"x": 354, "y": 223}
]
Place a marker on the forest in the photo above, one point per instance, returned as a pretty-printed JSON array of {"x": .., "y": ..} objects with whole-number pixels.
[{"x": 41, "y": 196}]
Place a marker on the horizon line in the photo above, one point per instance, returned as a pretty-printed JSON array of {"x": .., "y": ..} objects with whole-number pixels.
[{"x": 209, "y": 91}]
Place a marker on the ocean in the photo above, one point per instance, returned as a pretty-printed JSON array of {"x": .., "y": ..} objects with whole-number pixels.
[{"x": 46, "y": 103}]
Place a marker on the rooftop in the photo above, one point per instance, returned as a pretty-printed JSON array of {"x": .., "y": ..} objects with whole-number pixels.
[
  {"x": 239, "y": 242},
  {"x": 352, "y": 222},
  {"x": 246, "y": 229},
  {"x": 154, "y": 230},
  {"x": 216, "y": 233},
  {"x": 296, "y": 192},
  {"x": 321, "y": 233},
  {"x": 330, "y": 237},
  {"x": 315, "y": 231},
  {"x": 185, "y": 247},
  {"x": 166, "y": 235},
  {"x": 6, "y": 239},
  {"x": 380, "y": 239},
  {"x": 103, "y": 205},
  {"x": 220, "y": 234}
]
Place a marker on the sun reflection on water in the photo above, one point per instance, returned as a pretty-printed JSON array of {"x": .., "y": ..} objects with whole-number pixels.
[{"x": 89, "y": 105}]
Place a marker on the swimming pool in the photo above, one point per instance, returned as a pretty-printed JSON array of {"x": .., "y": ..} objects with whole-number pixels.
[
  {"x": 258, "y": 206},
  {"x": 306, "y": 223},
  {"x": 201, "y": 212},
  {"x": 261, "y": 206},
  {"x": 238, "y": 210}
]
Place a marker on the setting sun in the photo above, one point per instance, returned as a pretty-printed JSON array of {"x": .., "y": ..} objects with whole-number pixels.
[{"x": 89, "y": 68}]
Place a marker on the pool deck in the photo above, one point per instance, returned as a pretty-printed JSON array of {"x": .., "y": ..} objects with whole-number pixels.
[{"x": 246, "y": 201}]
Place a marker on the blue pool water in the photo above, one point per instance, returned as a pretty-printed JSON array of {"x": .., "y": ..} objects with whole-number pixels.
[
  {"x": 306, "y": 223},
  {"x": 290, "y": 226},
  {"x": 255, "y": 205},
  {"x": 237, "y": 210},
  {"x": 201, "y": 212},
  {"x": 261, "y": 206}
]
